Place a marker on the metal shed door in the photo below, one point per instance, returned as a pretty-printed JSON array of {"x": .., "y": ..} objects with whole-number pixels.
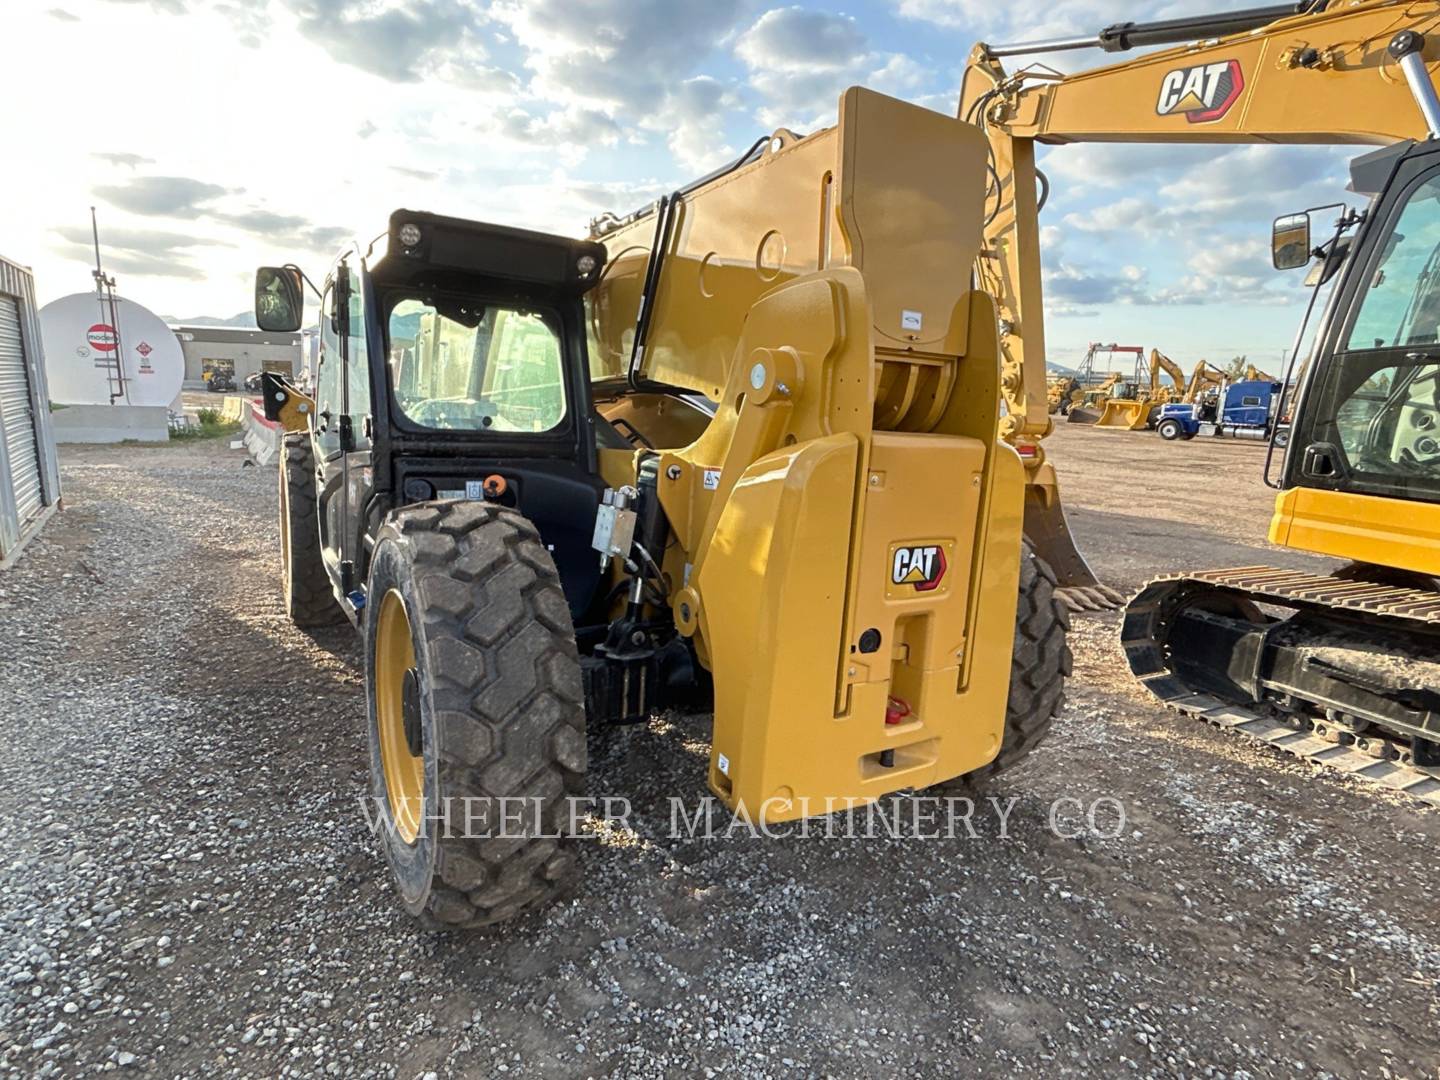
[{"x": 16, "y": 420}]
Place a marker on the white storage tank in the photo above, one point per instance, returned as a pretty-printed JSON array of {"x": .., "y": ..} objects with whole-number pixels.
[{"x": 99, "y": 355}]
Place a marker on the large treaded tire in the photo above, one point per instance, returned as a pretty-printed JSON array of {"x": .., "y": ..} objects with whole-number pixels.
[
  {"x": 309, "y": 600},
  {"x": 1041, "y": 664},
  {"x": 501, "y": 710}
]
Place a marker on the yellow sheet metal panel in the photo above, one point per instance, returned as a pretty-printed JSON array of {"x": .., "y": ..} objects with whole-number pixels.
[
  {"x": 1365, "y": 528},
  {"x": 807, "y": 529},
  {"x": 922, "y": 498},
  {"x": 893, "y": 190},
  {"x": 773, "y": 584},
  {"x": 911, "y": 207},
  {"x": 779, "y": 750},
  {"x": 734, "y": 240}
]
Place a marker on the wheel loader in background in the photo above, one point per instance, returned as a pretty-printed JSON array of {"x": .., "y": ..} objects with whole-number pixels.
[
  {"x": 1139, "y": 412},
  {"x": 1347, "y": 676},
  {"x": 1087, "y": 403},
  {"x": 743, "y": 446}
]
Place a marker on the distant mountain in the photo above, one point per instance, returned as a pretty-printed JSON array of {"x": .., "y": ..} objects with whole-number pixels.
[{"x": 244, "y": 321}]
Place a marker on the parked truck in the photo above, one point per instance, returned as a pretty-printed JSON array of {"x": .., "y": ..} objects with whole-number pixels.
[{"x": 1241, "y": 410}]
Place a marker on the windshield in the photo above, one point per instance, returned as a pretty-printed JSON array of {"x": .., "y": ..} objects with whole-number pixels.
[
  {"x": 467, "y": 365},
  {"x": 1401, "y": 302},
  {"x": 1378, "y": 400}
]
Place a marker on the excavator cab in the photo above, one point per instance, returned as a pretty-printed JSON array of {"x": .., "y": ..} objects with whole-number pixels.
[{"x": 1368, "y": 424}]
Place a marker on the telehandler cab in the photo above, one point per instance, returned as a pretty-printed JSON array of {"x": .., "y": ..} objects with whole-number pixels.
[{"x": 742, "y": 447}]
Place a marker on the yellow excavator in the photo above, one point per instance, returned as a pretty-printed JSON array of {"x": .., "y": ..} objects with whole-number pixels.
[
  {"x": 1347, "y": 675},
  {"x": 1205, "y": 376},
  {"x": 1137, "y": 413}
]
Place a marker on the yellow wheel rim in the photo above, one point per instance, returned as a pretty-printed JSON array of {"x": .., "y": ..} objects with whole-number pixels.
[
  {"x": 284, "y": 533},
  {"x": 395, "y": 680}
]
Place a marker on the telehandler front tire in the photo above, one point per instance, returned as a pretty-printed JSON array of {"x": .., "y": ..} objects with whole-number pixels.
[
  {"x": 309, "y": 601},
  {"x": 1041, "y": 664},
  {"x": 475, "y": 697}
]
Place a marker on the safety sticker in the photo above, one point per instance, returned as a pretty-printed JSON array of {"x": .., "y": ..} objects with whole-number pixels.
[{"x": 711, "y": 479}]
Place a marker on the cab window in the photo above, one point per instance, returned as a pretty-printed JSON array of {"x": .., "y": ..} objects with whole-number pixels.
[
  {"x": 327, "y": 382},
  {"x": 470, "y": 365}
]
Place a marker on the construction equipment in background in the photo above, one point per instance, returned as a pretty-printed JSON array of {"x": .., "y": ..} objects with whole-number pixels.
[
  {"x": 1240, "y": 410},
  {"x": 1347, "y": 677},
  {"x": 1204, "y": 377},
  {"x": 742, "y": 447},
  {"x": 1058, "y": 393},
  {"x": 1141, "y": 411},
  {"x": 1087, "y": 404}
]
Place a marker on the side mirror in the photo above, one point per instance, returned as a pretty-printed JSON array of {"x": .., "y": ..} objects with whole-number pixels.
[
  {"x": 1290, "y": 242},
  {"x": 279, "y": 299}
]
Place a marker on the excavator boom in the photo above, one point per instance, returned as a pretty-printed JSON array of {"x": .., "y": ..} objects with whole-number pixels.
[{"x": 1290, "y": 75}]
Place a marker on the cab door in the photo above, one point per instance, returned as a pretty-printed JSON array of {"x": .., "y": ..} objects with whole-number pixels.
[{"x": 342, "y": 433}]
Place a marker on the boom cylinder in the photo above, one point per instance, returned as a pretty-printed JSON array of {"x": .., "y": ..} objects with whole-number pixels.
[
  {"x": 1122, "y": 37},
  {"x": 1406, "y": 47}
]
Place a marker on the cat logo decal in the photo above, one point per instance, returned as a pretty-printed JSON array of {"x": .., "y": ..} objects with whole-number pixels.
[
  {"x": 1202, "y": 93},
  {"x": 922, "y": 566}
]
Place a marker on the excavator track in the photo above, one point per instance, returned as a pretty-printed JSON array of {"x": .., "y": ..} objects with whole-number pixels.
[{"x": 1377, "y": 758}]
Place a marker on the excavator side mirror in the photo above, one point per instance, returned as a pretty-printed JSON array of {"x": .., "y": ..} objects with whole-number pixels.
[
  {"x": 279, "y": 299},
  {"x": 1290, "y": 242}
]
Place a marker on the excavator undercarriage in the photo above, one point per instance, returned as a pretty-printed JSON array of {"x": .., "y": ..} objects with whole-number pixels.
[{"x": 1342, "y": 671}]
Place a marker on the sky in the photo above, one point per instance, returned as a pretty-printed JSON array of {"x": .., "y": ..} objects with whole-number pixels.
[{"x": 216, "y": 135}]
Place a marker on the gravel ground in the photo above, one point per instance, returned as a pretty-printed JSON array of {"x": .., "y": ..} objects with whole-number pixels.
[{"x": 190, "y": 886}]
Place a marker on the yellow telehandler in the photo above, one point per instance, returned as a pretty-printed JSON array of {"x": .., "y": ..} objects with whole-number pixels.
[
  {"x": 1348, "y": 675},
  {"x": 744, "y": 447}
]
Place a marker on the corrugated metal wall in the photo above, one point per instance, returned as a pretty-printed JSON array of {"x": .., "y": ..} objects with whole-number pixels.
[{"x": 29, "y": 470}]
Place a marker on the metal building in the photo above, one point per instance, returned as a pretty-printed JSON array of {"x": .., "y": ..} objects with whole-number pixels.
[
  {"x": 29, "y": 471},
  {"x": 236, "y": 352}
]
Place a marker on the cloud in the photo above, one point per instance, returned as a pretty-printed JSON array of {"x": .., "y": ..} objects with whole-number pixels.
[
  {"x": 794, "y": 39},
  {"x": 188, "y": 199},
  {"x": 168, "y": 7},
  {"x": 125, "y": 161},
  {"x": 633, "y": 62},
  {"x": 1071, "y": 289},
  {"x": 801, "y": 60},
  {"x": 404, "y": 44},
  {"x": 286, "y": 230},
  {"x": 63, "y": 15},
  {"x": 146, "y": 252},
  {"x": 414, "y": 174},
  {"x": 366, "y": 129},
  {"x": 162, "y": 196}
]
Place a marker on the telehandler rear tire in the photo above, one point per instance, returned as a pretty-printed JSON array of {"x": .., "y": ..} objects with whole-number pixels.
[
  {"x": 474, "y": 692},
  {"x": 1041, "y": 664},
  {"x": 309, "y": 601}
]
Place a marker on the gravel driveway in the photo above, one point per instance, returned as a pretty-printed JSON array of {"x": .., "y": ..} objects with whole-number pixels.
[{"x": 190, "y": 888}]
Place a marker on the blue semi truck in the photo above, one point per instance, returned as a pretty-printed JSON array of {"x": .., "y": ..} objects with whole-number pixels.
[{"x": 1242, "y": 410}]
